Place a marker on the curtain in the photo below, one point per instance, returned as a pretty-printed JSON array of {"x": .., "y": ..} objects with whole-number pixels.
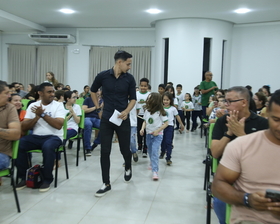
[
  {"x": 21, "y": 64},
  {"x": 51, "y": 59},
  {"x": 102, "y": 58}
]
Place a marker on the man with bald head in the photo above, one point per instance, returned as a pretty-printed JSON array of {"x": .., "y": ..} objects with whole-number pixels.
[{"x": 208, "y": 88}]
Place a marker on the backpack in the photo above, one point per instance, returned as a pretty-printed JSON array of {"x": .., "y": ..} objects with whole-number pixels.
[{"x": 34, "y": 176}]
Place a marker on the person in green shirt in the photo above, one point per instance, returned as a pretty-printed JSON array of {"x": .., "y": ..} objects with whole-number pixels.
[{"x": 207, "y": 87}]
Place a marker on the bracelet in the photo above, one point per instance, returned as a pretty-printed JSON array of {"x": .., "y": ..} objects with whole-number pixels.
[{"x": 246, "y": 200}]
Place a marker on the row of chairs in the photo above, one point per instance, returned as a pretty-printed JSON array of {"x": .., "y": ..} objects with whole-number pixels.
[{"x": 211, "y": 165}]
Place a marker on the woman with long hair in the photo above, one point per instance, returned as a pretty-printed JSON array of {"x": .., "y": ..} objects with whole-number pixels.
[{"x": 51, "y": 79}]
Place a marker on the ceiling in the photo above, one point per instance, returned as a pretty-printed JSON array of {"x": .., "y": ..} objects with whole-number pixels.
[{"x": 38, "y": 15}]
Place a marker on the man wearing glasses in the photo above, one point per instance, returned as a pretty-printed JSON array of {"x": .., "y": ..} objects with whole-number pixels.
[
  {"x": 240, "y": 121},
  {"x": 208, "y": 88},
  {"x": 119, "y": 93}
]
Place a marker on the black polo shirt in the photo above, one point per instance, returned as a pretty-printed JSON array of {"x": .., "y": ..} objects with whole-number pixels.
[
  {"x": 252, "y": 124},
  {"x": 116, "y": 92}
]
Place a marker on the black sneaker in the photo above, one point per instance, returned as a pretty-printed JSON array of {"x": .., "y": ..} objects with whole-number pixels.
[
  {"x": 103, "y": 190},
  {"x": 127, "y": 175},
  {"x": 161, "y": 155},
  {"x": 21, "y": 185},
  {"x": 135, "y": 157},
  {"x": 70, "y": 144},
  {"x": 144, "y": 155},
  {"x": 168, "y": 162},
  {"x": 88, "y": 152},
  {"x": 93, "y": 146},
  {"x": 44, "y": 187}
]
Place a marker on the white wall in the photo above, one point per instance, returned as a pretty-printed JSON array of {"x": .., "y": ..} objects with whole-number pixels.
[
  {"x": 78, "y": 64},
  {"x": 186, "y": 37},
  {"x": 256, "y": 55}
]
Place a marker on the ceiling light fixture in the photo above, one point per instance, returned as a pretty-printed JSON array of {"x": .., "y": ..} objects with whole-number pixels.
[
  {"x": 153, "y": 11},
  {"x": 242, "y": 10},
  {"x": 67, "y": 11}
]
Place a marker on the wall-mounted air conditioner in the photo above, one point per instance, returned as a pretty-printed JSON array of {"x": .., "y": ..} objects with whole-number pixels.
[{"x": 52, "y": 38}]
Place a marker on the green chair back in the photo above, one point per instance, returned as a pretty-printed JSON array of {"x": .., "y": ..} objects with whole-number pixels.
[
  {"x": 80, "y": 101},
  {"x": 24, "y": 103},
  {"x": 228, "y": 211}
]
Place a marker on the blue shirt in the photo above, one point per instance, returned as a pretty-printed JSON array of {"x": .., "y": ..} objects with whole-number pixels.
[
  {"x": 116, "y": 92},
  {"x": 88, "y": 102}
]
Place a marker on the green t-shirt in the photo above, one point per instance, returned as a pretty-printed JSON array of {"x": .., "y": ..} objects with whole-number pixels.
[{"x": 205, "y": 97}]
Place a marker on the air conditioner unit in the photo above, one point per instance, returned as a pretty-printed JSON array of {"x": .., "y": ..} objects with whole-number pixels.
[{"x": 52, "y": 38}]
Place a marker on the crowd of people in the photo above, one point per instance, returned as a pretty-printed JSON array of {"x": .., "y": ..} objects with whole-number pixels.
[{"x": 144, "y": 122}]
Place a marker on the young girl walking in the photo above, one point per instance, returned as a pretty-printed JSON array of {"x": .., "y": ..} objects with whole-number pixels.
[
  {"x": 155, "y": 121},
  {"x": 197, "y": 112},
  {"x": 187, "y": 107},
  {"x": 168, "y": 133}
]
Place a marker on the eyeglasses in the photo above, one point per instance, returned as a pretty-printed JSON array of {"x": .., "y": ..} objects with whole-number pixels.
[
  {"x": 228, "y": 102},
  {"x": 74, "y": 97}
]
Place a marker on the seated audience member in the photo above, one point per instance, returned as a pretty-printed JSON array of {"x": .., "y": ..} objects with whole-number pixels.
[
  {"x": 10, "y": 129},
  {"x": 74, "y": 114},
  {"x": 46, "y": 118},
  {"x": 240, "y": 121},
  {"x": 76, "y": 93},
  {"x": 260, "y": 101},
  {"x": 266, "y": 91},
  {"x": 31, "y": 92},
  {"x": 60, "y": 86},
  {"x": 212, "y": 103},
  {"x": 18, "y": 90},
  {"x": 250, "y": 166},
  {"x": 250, "y": 90},
  {"x": 92, "y": 120},
  {"x": 59, "y": 95},
  {"x": 68, "y": 87},
  {"x": 12, "y": 89},
  {"x": 218, "y": 111},
  {"x": 86, "y": 92},
  {"x": 15, "y": 99},
  {"x": 36, "y": 96}
]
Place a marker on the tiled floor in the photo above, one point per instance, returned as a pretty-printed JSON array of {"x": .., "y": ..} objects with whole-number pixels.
[{"x": 177, "y": 197}]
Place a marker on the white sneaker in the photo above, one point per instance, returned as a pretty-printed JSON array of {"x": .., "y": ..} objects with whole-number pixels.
[{"x": 155, "y": 176}]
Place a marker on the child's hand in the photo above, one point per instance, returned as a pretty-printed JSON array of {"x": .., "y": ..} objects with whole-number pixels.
[
  {"x": 141, "y": 132},
  {"x": 155, "y": 133},
  {"x": 182, "y": 127}
]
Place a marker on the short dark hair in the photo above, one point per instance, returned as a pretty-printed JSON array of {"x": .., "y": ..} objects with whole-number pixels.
[
  {"x": 3, "y": 84},
  {"x": 14, "y": 83},
  {"x": 242, "y": 91},
  {"x": 170, "y": 83},
  {"x": 267, "y": 87},
  {"x": 123, "y": 55},
  {"x": 67, "y": 95},
  {"x": 161, "y": 85},
  {"x": 43, "y": 85},
  {"x": 179, "y": 85},
  {"x": 75, "y": 91},
  {"x": 275, "y": 98},
  {"x": 261, "y": 97},
  {"x": 59, "y": 93},
  {"x": 144, "y": 80}
]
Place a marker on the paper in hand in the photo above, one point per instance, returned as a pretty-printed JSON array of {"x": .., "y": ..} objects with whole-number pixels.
[{"x": 114, "y": 118}]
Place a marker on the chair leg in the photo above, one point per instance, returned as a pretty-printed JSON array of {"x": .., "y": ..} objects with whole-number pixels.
[
  {"x": 207, "y": 171},
  {"x": 85, "y": 158},
  {"x": 209, "y": 197},
  {"x": 65, "y": 162},
  {"x": 15, "y": 192},
  {"x": 78, "y": 150},
  {"x": 56, "y": 169}
]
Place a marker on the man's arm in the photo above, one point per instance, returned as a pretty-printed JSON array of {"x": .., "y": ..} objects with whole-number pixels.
[
  {"x": 218, "y": 147},
  {"x": 56, "y": 123},
  {"x": 88, "y": 109},
  {"x": 129, "y": 107},
  {"x": 94, "y": 99},
  {"x": 203, "y": 91},
  {"x": 222, "y": 188},
  {"x": 28, "y": 124},
  {"x": 12, "y": 132}
]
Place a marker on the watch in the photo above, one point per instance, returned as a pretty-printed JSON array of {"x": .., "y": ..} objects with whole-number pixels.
[
  {"x": 231, "y": 137},
  {"x": 43, "y": 115},
  {"x": 246, "y": 200}
]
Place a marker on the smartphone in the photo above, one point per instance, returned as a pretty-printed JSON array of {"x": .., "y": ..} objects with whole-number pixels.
[{"x": 273, "y": 195}]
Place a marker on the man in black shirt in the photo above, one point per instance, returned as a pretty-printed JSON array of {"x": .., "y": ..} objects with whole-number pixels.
[
  {"x": 119, "y": 93},
  {"x": 240, "y": 121}
]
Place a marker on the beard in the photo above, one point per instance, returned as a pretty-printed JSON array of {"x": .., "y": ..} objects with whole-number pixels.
[{"x": 17, "y": 90}]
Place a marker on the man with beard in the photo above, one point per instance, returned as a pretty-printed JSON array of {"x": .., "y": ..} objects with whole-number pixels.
[{"x": 18, "y": 90}]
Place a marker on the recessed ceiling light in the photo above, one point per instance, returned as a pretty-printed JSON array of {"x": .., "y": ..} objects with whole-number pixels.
[
  {"x": 153, "y": 11},
  {"x": 67, "y": 11},
  {"x": 242, "y": 10}
]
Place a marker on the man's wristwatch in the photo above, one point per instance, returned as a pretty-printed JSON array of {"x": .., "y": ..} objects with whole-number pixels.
[
  {"x": 246, "y": 200},
  {"x": 231, "y": 137},
  {"x": 43, "y": 115}
]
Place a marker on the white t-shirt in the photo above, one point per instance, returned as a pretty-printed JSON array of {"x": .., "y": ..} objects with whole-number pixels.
[
  {"x": 133, "y": 117},
  {"x": 196, "y": 100},
  {"x": 175, "y": 101},
  {"x": 171, "y": 113},
  {"x": 187, "y": 105},
  {"x": 154, "y": 121},
  {"x": 71, "y": 123},
  {"x": 54, "y": 110},
  {"x": 180, "y": 99},
  {"x": 141, "y": 101}
]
